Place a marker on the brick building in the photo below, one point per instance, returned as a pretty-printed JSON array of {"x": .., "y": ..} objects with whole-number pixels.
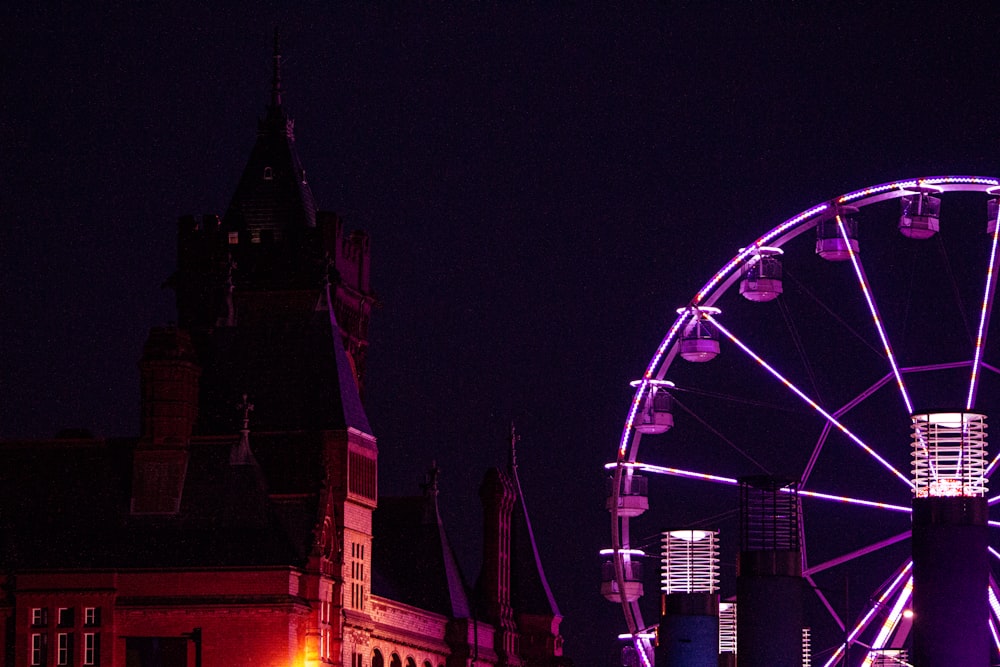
[{"x": 243, "y": 526}]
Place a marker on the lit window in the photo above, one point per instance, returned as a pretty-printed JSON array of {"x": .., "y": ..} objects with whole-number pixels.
[
  {"x": 37, "y": 649},
  {"x": 92, "y": 616},
  {"x": 234, "y": 238},
  {"x": 91, "y": 648},
  {"x": 39, "y": 616}
]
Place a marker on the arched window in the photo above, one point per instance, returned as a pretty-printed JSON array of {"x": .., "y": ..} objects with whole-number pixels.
[
  {"x": 394, "y": 661},
  {"x": 427, "y": 663},
  {"x": 410, "y": 662},
  {"x": 377, "y": 659},
  {"x": 268, "y": 174}
]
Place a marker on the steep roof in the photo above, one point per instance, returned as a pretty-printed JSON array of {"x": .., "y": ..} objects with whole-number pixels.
[
  {"x": 273, "y": 194},
  {"x": 294, "y": 369},
  {"x": 529, "y": 586},
  {"x": 66, "y": 504},
  {"x": 412, "y": 558}
]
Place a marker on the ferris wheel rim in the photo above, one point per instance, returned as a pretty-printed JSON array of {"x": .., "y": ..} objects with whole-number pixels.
[{"x": 705, "y": 299}]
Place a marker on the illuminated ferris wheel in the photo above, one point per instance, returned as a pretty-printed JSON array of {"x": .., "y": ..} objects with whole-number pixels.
[{"x": 839, "y": 371}]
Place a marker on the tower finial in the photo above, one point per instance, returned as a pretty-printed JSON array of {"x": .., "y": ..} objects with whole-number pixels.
[
  {"x": 512, "y": 456},
  {"x": 241, "y": 454},
  {"x": 276, "y": 76}
]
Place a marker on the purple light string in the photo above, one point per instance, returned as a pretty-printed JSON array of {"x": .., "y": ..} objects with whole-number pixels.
[
  {"x": 984, "y": 315},
  {"x": 731, "y": 481},
  {"x": 995, "y": 608},
  {"x": 863, "y": 623},
  {"x": 752, "y": 249},
  {"x": 863, "y": 282},
  {"x": 815, "y": 406},
  {"x": 907, "y": 185},
  {"x": 890, "y": 623},
  {"x": 991, "y": 467},
  {"x": 648, "y": 375}
]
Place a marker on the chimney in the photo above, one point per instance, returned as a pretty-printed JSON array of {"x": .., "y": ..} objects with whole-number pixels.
[{"x": 169, "y": 379}]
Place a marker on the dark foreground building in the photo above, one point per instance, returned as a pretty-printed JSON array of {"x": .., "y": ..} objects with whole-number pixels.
[{"x": 243, "y": 526}]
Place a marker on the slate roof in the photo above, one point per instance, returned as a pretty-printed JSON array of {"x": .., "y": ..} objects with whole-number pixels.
[
  {"x": 412, "y": 558},
  {"x": 295, "y": 371},
  {"x": 66, "y": 504},
  {"x": 529, "y": 587},
  {"x": 273, "y": 193}
]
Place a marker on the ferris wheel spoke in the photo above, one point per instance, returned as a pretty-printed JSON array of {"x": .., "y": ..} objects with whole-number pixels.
[
  {"x": 857, "y": 553},
  {"x": 984, "y": 316},
  {"x": 677, "y": 472},
  {"x": 891, "y": 622},
  {"x": 810, "y": 402},
  {"x": 897, "y": 578},
  {"x": 854, "y": 501},
  {"x": 859, "y": 271},
  {"x": 994, "y": 599},
  {"x": 732, "y": 481},
  {"x": 826, "y": 602},
  {"x": 827, "y": 426},
  {"x": 867, "y": 634},
  {"x": 989, "y": 471}
]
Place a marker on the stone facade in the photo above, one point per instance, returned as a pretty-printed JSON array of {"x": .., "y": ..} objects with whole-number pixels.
[{"x": 240, "y": 527}]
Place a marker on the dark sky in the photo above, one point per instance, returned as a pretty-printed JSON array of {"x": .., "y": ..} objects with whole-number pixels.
[{"x": 542, "y": 184}]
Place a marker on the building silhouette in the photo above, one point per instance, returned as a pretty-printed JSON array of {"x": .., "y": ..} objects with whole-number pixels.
[{"x": 243, "y": 526}]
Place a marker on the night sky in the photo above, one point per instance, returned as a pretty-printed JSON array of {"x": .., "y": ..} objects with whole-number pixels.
[{"x": 542, "y": 184}]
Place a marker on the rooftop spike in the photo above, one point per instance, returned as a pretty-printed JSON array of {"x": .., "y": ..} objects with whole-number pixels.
[
  {"x": 242, "y": 454},
  {"x": 512, "y": 454},
  {"x": 276, "y": 76}
]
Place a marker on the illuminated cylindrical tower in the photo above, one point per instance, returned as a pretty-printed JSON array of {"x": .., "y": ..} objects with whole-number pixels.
[
  {"x": 769, "y": 574},
  {"x": 950, "y": 566},
  {"x": 689, "y": 611},
  {"x": 727, "y": 634}
]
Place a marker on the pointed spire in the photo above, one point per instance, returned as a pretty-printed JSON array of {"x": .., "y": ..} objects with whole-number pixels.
[
  {"x": 430, "y": 485},
  {"x": 276, "y": 76},
  {"x": 241, "y": 454},
  {"x": 430, "y": 489},
  {"x": 512, "y": 454}
]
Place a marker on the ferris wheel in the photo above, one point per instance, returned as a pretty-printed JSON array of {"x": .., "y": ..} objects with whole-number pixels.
[{"x": 825, "y": 352}]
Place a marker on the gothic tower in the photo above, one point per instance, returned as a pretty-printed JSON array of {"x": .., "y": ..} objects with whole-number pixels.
[
  {"x": 257, "y": 282},
  {"x": 276, "y": 298}
]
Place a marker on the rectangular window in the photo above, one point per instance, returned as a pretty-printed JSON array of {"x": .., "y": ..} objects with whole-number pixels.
[
  {"x": 92, "y": 616},
  {"x": 234, "y": 238},
  {"x": 65, "y": 617},
  {"x": 39, "y": 617},
  {"x": 37, "y": 649},
  {"x": 91, "y": 648},
  {"x": 65, "y": 648}
]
